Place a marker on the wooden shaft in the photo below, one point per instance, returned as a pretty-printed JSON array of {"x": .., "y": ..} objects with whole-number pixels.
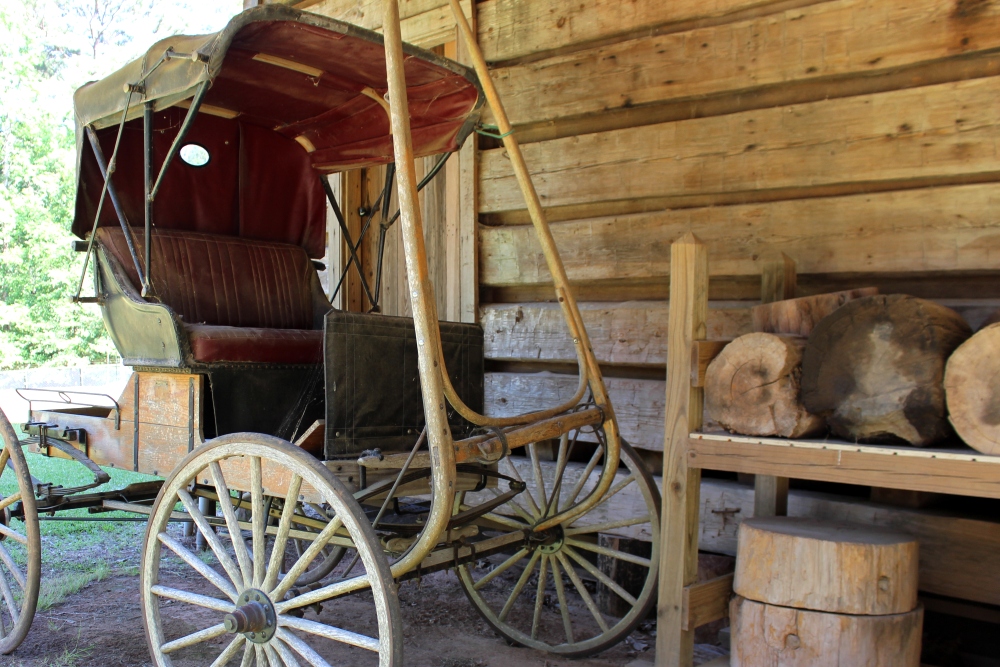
[
  {"x": 425, "y": 322},
  {"x": 586, "y": 358}
]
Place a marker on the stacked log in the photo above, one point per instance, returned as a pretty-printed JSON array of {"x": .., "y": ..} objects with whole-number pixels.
[
  {"x": 752, "y": 387},
  {"x": 800, "y": 316},
  {"x": 874, "y": 369},
  {"x": 972, "y": 389},
  {"x": 824, "y": 595}
]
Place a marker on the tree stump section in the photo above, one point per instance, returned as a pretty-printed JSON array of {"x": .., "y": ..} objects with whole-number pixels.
[
  {"x": 972, "y": 389},
  {"x": 874, "y": 369},
  {"x": 764, "y": 634},
  {"x": 824, "y": 566},
  {"x": 752, "y": 387},
  {"x": 800, "y": 316}
]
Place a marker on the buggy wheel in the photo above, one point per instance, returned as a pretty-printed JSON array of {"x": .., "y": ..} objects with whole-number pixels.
[
  {"x": 242, "y": 608},
  {"x": 19, "y": 541},
  {"x": 546, "y": 593}
]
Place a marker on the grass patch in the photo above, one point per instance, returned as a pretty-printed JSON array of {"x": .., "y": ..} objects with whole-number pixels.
[
  {"x": 78, "y": 553},
  {"x": 57, "y": 588}
]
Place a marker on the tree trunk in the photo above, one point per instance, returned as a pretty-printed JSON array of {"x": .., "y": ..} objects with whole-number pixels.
[
  {"x": 800, "y": 316},
  {"x": 752, "y": 387},
  {"x": 764, "y": 634},
  {"x": 826, "y": 566},
  {"x": 875, "y": 369},
  {"x": 972, "y": 389}
]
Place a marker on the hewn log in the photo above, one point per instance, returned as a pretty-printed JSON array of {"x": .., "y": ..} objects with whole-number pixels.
[
  {"x": 972, "y": 389},
  {"x": 875, "y": 369},
  {"x": 800, "y": 316},
  {"x": 752, "y": 387},
  {"x": 826, "y": 566},
  {"x": 764, "y": 634}
]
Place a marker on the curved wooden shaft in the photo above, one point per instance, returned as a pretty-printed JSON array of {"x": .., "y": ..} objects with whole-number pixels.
[{"x": 587, "y": 360}]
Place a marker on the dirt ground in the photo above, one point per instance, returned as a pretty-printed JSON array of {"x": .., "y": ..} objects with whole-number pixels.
[{"x": 101, "y": 626}]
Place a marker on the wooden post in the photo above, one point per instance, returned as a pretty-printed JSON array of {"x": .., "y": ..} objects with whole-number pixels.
[
  {"x": 679, "y": 534},
  {"x": 351, "y": 197},
  {"x": 777, "y": 283}
]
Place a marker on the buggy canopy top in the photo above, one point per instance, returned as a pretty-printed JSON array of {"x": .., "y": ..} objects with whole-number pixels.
[{"x": 286, "y": 96}]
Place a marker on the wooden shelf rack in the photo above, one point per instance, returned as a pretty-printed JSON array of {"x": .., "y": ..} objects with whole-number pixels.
[{"x": 684, "y": 603}]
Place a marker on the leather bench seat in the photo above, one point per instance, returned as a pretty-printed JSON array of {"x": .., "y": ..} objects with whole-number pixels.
[{"x": 239, "y": 300}]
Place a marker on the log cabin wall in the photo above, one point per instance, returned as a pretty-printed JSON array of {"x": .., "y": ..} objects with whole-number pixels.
[{"x": 859, "y": 137}]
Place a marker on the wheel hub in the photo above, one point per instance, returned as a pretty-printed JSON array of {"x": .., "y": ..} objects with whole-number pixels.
[
  {"x": 255, "y": 618},
  {"x": 551, "y": 540}
]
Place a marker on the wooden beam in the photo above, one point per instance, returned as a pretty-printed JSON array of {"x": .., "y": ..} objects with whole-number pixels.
[
  {"x": 626, "y": 334},
  {"x": 468, "y": 193},
  {"x": 932, "y": 229},
  {"x": 707, "y": 601},
  {"x": 351, "y": 200},
  {"x": 941, "y": 471},
  {"x": 842, "y": 44},
  {"x": 679, "y": 532},
  {"x": 639, "y": 404},
  {"x": 512, "y": 29},
  {"x": 702, "y": 353},
  {"x": 777, "y": 283},
  {"x": 930, "y": 132}
]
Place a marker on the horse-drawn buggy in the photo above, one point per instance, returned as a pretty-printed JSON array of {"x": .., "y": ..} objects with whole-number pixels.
[{"x": 320, "y": 457}]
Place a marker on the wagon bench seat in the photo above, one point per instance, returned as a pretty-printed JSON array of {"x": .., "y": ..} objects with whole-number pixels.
[{"x": 238, "y": 300}]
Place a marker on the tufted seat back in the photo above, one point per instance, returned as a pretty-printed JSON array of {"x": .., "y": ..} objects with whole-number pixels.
[{"x": 224, "y": 280}]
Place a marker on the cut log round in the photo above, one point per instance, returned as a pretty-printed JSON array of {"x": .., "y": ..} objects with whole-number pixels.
[
  {"x": 764, "y": 634},
  {"x": 752, "y": 387},
  {"x": 875, "y": 369},
  {"x": 972, "y": 388},
  {"x": 826, "y": 566},
  {"x": 800, "y": 316}
]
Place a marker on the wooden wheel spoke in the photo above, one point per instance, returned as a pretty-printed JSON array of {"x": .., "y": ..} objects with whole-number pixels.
[
  {"x": 578, "y": 487},
  {"x": 200, "y": 567},
  {"x": 561, "y": 596},
  {"x": 192, "y": 598},
  {"x": 213, "y": 540},
  {"x": 561, "y": 458},
  {"x": 328, "y": 592},
  {"x": 539, "y": 596},
  {"x": 262, "y": 660},
  {"x": 613, "y": 553},
  {"x": 527, "y": 492},
  {"x": 232, "y": 523},
  {"x": 614, "y": 490},
  {"x": 12, "y": 566},
  {"x": 600, "y": 576},
  {"x": 13, "y": 534},
  {"x": 4, "y": 459},
  {"x": 519, "y": 586},
  {"x": 230, "y": 652},
  {"x": 303, "y": 649},
  {"x": 536, "y": 466},
  {"x": 9, "y": 500},
  {"x": 309, "y": 556},
  {"x": 281, "y": 539},
  {"x": 194, "y": 638},
  {"x": 258, "y": 519},
  {"x": 329, "y": 632},
  {"x": 582, "y": 590},
  {"x": 606, "y": 526},
  {"x": 248, "y": 655},
  {"x": 281, "y": 648},
  {"x": 272, "y": 657},
  {"x": 500, "y": 569},
  {"x": 8, "y": 596},
  {"x": 516, "y": 506},
  {"x": 497, "y": 518}
]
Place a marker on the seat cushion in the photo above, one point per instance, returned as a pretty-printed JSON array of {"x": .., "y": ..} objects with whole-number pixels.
[
  {"x": 223, "y": 280},
  {"x": 251, "y": 344}
]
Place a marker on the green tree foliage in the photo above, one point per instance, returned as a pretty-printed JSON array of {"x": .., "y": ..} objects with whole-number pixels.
[{"x": 47, "y": 49}]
